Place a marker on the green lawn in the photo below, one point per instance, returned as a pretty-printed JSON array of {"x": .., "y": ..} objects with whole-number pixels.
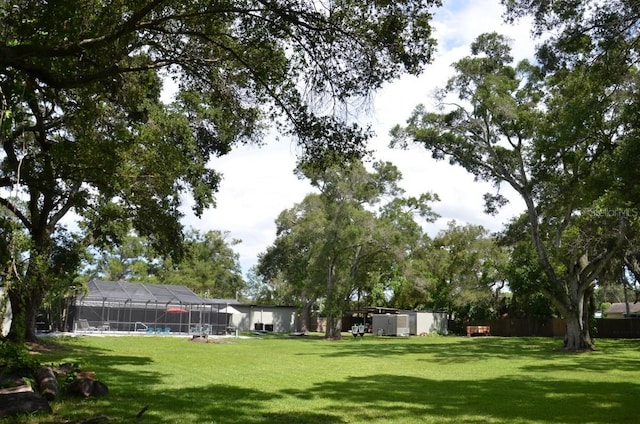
[{"x": 374, "y": 380}]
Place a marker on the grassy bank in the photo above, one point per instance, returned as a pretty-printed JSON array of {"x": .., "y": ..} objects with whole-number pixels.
[{"x": 374, "y": 380}]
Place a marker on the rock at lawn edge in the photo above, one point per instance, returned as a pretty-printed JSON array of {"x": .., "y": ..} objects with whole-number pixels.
[
  {"x": 99, "y": 389},
  {"x": 22, "y": 403},
  {"x": 86, "y": 387}
]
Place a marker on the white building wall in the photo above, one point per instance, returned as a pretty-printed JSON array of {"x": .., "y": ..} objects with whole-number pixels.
[
  {"x": 427, "y": 322},
  {"x": 283, "y": 319}
]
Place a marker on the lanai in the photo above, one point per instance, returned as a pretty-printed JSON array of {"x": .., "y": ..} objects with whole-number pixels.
[{"x": 144, "y": 307}]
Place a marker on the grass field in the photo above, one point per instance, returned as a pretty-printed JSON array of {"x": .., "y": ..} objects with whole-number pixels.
[{"x": 375, "y": 380}]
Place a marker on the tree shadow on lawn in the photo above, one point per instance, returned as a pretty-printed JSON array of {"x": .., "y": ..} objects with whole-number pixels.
[
  {"x": 611, "y": 354},
  {"x": 547, "y": 353},
  {"x": 450, "y": 349},
  {"x": 215, "y": 403},
  {"x": 112, "y": 370},
  {"x": 619, "y": 355},
  {"x": 104, "y": 363},
  {"x": 385, "y": 397},
  {"x": 375, "y": 398},
  {"x": 135, "y": 384}
]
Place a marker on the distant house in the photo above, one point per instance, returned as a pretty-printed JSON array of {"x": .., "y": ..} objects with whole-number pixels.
[{"x": 619, "y": 310}]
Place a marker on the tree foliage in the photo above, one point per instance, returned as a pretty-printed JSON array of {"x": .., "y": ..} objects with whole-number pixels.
[
  {"x": 209, "y": 266},
  {"x": 551, "y": 138},
  {"x": 83, "y": 129},
  {"x": 599, "y": 43},
  {"x": 132, "y": 259},
  {"x": 527, "y": 278},
  {"x": 461, "y": 272},
  {"x": 334, "y": 248}
]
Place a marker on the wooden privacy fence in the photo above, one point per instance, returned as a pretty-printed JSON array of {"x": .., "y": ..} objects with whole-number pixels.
[
  {"x": 605, "y": 328},
  {"x": 618, "y": 328},
  {"x": 515, "y": 327}
]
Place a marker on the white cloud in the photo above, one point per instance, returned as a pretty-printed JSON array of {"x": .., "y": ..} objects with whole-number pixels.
[{"x": 259, "y": 182}]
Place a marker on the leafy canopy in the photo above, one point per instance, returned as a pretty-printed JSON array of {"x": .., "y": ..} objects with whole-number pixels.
[{"x": 83, "y": 128}]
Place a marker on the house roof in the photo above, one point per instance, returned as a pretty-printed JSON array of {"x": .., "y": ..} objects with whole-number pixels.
[
  {"x": 375, "y": 310},
  {"x": 142, "y": 293},
  {"x": 621, "y": 308}
]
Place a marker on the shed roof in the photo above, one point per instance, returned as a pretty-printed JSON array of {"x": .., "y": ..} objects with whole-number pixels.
[{"x": 142, "y": 293}]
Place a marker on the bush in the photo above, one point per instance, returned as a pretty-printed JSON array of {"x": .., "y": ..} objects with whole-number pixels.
[{"x": 16, "y": 359}]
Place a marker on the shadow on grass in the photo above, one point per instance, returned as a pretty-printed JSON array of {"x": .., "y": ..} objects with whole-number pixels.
[
  {"x": 406, "y": 399},
  {"x": 102, "y": 361},
  {"x": 377, "y": 398},
  {"x": 449, "y": 349},
  {"x": 382, "y": 398},
  {"x": 610, "y": 354},
  {"x": 458, "y": 350},
  {"x": 136, "y": 386},
  {"x": 224, "y": 404}
]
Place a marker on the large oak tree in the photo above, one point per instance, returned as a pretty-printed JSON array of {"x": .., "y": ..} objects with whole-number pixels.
[
  {"x": 551, "y": 137},
  {"x": 83, "y": 129}
]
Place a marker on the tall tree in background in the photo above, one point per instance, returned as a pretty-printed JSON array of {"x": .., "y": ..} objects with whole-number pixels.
[
  {"x": 209, "y": 266},
  {"x": 470, "y": 271},
  {"x": 130, "y": 260},
  {"x": 334, "y": 247},
  {"x": 527, "y": 278},
  {"x": 285, "y": 268},
  {"x": 464, "y": 268},
  {"x": 551, "y": 138},
  {"x": 272, "y": 289},
  {"x": 83, "y": 129}
]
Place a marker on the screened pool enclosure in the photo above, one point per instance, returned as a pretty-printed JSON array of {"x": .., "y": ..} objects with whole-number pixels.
[{"x": 149, "y": 308}]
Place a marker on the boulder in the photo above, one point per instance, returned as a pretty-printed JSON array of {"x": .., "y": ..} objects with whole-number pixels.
[
  {"x": 23, "y": 403},
  {"x": 82, "y": 387},
  {"x": 88, "y": 387},
  {"x": 99, "y": 389}
]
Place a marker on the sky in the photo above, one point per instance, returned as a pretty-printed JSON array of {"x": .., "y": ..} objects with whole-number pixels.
[{"x": 259, "y": 183}]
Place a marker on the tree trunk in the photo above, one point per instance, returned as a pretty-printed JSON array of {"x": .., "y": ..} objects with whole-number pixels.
[
  {"x": 334, "y": 327},
  {"x": 333, "y": 308},
  {"x": 305, "y": 316},
  {"x": 574, "y": 308},
  {"x": 24, "y": 307},
  {"x": 47, "y": 383},
  {"x": 577, "y": 337},
  {"x": 570, "y": 295}
]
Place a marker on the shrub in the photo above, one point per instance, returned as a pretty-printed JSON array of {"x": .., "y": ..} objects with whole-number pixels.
[{"x": 16, "y": 359}]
